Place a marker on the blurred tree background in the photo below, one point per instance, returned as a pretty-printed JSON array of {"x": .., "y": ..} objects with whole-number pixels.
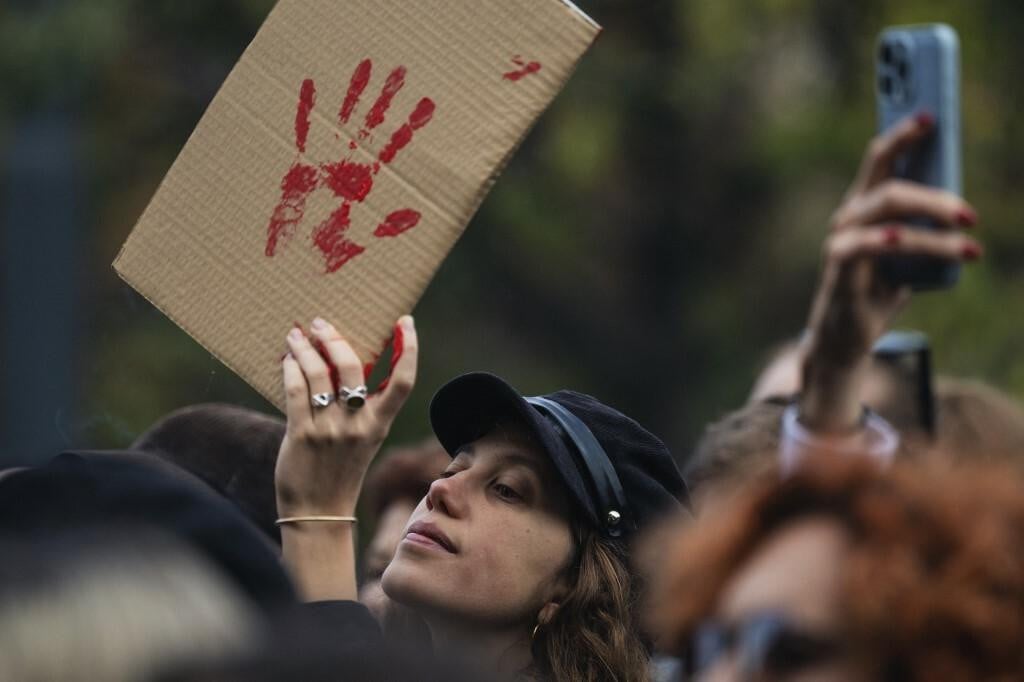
[{"x": 655, "y": 236}]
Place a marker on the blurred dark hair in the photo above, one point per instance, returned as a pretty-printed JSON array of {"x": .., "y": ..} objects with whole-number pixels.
[
  {"x": 972, "y": 421},
  {"x": 978, "y": 420},
  {"x": 739, "y": 445},
  {"x": 233, "y": 449}
]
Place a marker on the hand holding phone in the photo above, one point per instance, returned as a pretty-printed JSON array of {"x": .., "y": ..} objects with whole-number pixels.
[{"x": 918, "y": 71}]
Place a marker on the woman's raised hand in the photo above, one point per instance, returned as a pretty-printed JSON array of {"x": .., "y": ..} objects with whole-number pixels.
[
  {"x": 327, "y": 449},
  {"x": 854, "y": 304}
]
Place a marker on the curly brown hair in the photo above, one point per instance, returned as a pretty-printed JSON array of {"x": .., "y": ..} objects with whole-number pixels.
[
  {"x": 933, "y": 585},
  {"x": 595, "y": 635}
]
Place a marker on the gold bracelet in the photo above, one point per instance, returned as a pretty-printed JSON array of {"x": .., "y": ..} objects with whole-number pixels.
[{"x": 299, "y": 519}]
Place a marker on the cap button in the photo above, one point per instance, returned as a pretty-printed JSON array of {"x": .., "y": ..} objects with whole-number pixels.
[{"x": 613, "y": 518}]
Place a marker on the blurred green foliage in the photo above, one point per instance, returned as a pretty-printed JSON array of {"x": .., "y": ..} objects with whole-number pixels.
[{"x": 656, "y": 234}]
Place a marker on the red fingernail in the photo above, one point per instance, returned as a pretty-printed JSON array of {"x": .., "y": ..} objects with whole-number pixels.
[
  {"x": 924, "y": 120},
  {"x": 397, "y": 348},
  {"x": 891, "y": 235},
  {"x": 966, "y": 217},
  {"x": 971, "y": 252}
]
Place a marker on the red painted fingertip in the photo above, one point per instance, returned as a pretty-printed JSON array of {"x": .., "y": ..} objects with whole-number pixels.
[
  {"x": 971, "y": 252},
  {"x": 924, "y": 119},
  {"x": 966, "y": 217},
  {"x": 397, "y": 348},
  {"x": 891, "y": 235}
]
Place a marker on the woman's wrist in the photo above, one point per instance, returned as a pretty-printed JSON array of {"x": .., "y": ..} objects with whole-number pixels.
[
  {"x": 339, "y": 500},
  {"x": 830, "y": 398},
  {"x": 294, "y": 507},
  {"x": 321, "y": 559}
]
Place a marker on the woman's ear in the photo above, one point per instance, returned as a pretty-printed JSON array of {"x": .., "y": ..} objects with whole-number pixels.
[{"x": 547, "y": 613}]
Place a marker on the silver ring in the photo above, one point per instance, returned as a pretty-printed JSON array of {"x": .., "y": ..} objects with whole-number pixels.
[
  {"x": 321, "y": 400},
  {"x": 354, "y": 397}
]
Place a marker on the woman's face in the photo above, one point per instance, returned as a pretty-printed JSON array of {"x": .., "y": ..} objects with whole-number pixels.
[
  {"x": 779, "y": 617},
  {"x": 490, "y": 542}
]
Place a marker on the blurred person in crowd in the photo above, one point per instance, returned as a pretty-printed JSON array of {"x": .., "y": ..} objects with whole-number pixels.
[
  {"x": 114, "y": 604},
  {"x": 970, "y": 418},
  {"x": 232, "y": 449},
  {"x": 399, "y": 479},
  {"x": 847, "y": 571},
  {"x": 517, "y": 557},
  {"x": 83, "y": 490},
  {"x": 855, "y": 303},
  {"x": 831, "y": 372}
]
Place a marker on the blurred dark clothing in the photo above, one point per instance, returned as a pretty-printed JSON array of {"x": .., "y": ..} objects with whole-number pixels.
[
  {"x": 129, "y": 493},
  {"x": 88, "y": 489},
  {"x": 333, "y": 640}
]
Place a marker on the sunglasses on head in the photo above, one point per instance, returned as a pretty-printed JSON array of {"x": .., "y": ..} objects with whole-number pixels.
[{"x": 764, "y": 644}]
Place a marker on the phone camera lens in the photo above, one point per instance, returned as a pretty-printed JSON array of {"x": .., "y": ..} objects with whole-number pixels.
[{"x": 885, "y": 53}]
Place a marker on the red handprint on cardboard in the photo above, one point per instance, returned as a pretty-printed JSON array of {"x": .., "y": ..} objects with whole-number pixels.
[{"x": 349, "y": 180}]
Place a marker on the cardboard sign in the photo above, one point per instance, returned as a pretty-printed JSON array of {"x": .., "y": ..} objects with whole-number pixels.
[{"x": 338, "y": 165}]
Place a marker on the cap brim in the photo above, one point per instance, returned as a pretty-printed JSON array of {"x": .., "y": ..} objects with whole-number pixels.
[{"x": 467, "y": 408}]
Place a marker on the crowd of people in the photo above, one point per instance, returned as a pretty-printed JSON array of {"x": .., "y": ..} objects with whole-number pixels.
[{"x": 856, "y": 519}]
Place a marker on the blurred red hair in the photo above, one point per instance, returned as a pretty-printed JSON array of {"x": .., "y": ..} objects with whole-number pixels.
[{"x": 934, "y": 579}]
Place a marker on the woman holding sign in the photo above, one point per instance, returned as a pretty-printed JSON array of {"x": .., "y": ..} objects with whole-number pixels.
[{"x": 518, "y": 553}]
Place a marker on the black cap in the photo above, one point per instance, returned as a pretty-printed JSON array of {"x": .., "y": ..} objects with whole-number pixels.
[
  {"x": 620, "y": 475},
  {"x": 85, "y": 489}
]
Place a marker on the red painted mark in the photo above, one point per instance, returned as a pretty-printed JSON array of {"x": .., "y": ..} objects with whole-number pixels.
[
  {"x": 331, "y": 367},
  {"x": 360, "y": 77},
  {"x": 348, "y": 180},
  {"x": 419, "y": 117},
  {"x": 394, "y": 83},
  {"x": 397, "y": 348},
  {"x": 891, "y": 235},
  {"x": 296, "y": 185},
  {"x": 397, "y": 222},
  {"x": 524, "y": 70},
  {"x": 367, "y": 371},
  {"x": 330, "y": 238},
  {"x": 307, "y": 98}
]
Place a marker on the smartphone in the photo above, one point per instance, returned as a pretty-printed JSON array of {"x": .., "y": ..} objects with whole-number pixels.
[{"x": 917, "y": 69}]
